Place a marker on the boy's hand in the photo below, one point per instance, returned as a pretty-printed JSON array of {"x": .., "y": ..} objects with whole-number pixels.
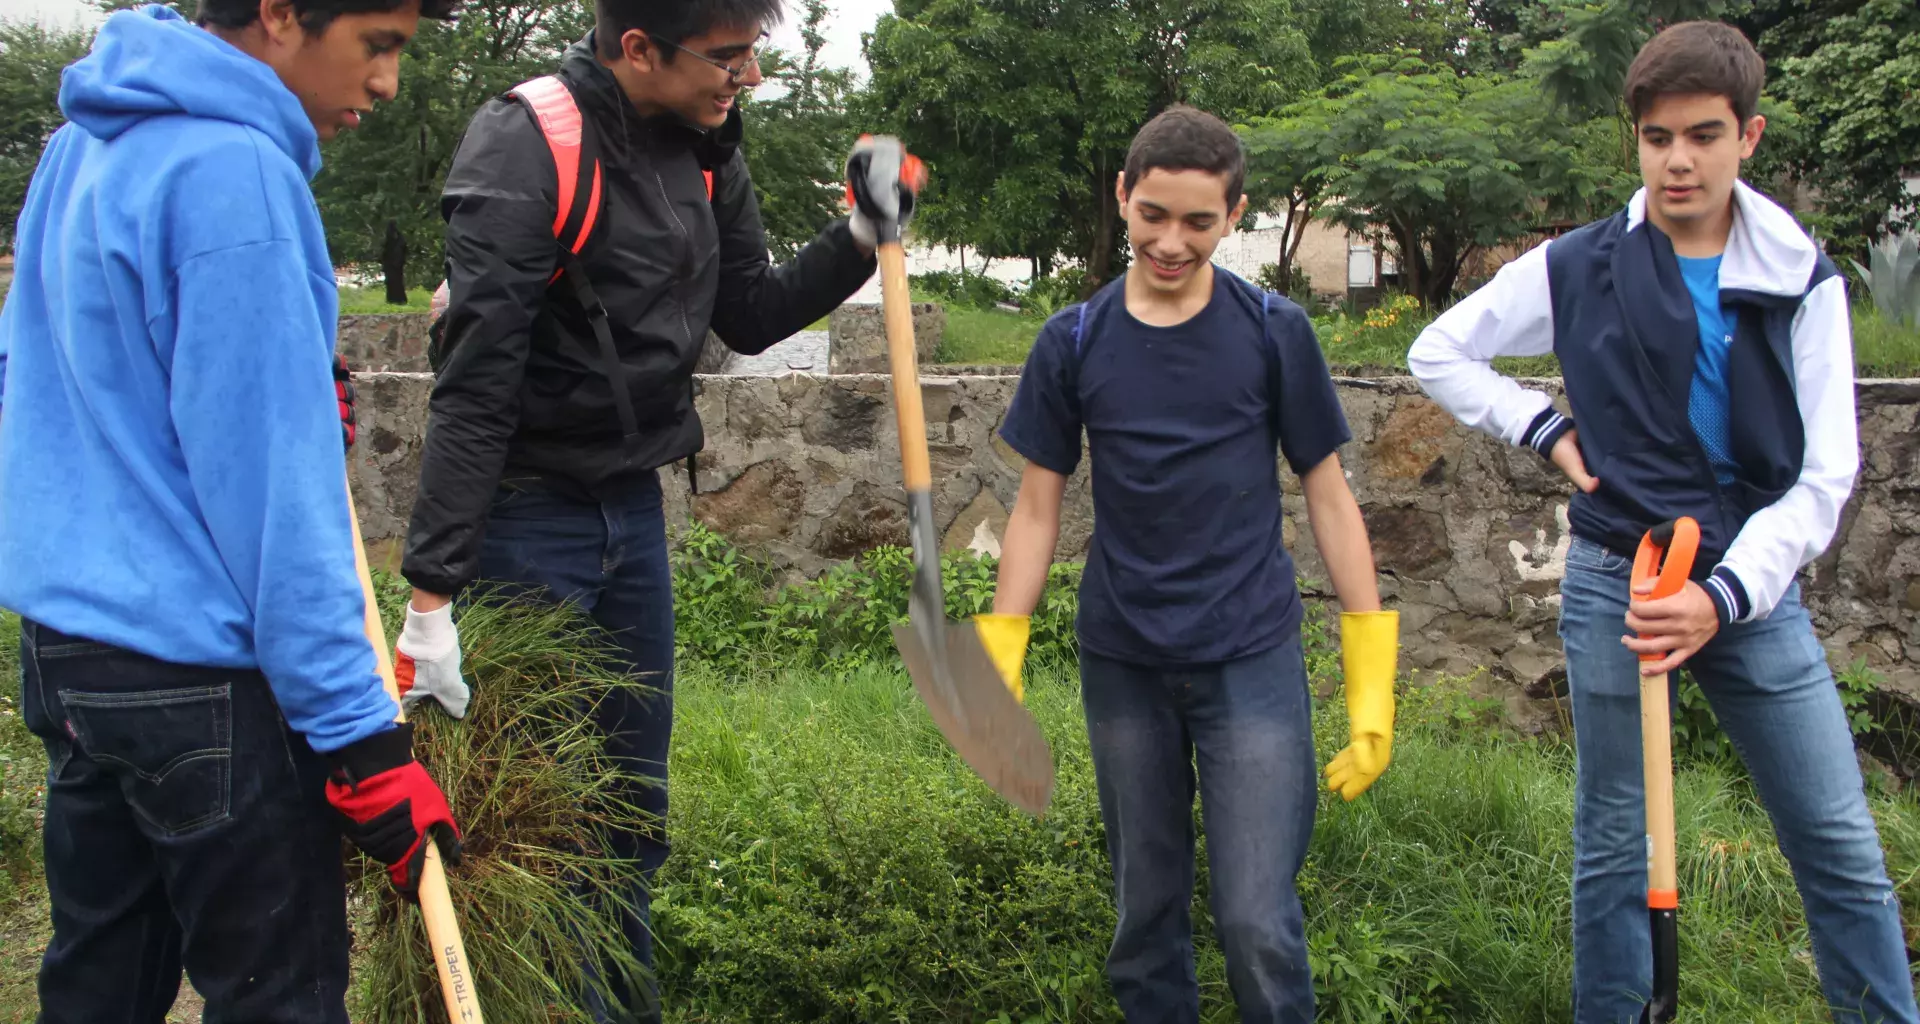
[
  {"x": 1566, "y": 455},
  {"x": 389, "y": 806},
  {"x": 1005, "y": 638},
  {"x": 883, "y": 180},
  {"x": 1369, "y": 651},
  {"x": 427, "y": 660},
  {"x": 1677, "y": 626}
]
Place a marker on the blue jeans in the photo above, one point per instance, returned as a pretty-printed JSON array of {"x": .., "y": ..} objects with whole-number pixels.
[
  {"x": 186, "y": 826},
  {"x": 1248, "y": 723},
  {"x": 609, "y": 558},
  {"x": 1770, "y": 687}
]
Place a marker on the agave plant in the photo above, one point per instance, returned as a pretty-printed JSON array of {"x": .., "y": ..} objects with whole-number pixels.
[{"x": 1894, "y": 279}]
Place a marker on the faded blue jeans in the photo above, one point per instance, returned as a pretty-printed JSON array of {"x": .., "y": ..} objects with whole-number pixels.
[
  {"x": 1248, "y": 725},
  {"x": 1771, "y": 689}
]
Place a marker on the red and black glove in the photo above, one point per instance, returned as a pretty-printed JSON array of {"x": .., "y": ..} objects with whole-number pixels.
[
  {"x": 388, "y": 805},
  {"x": 343, "y": 393}
]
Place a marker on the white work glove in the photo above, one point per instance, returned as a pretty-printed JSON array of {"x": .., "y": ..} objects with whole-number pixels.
[
  {"x": 427, "y": 661},
  {"x": 882, "y": 181}
]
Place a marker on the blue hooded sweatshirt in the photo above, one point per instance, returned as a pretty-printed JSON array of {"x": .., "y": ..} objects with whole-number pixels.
[{"x": 172, "y": 479}]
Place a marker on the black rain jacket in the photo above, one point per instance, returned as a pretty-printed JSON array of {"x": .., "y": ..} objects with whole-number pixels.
[{"x": 522, "y": 392}]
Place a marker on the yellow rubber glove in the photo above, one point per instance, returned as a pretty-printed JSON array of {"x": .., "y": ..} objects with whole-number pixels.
[
  {"x": 1005, "y": 638},
  {"x": 1369, "y": 651}
]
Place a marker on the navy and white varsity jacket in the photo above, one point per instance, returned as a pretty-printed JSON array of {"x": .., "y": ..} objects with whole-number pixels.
[{"x": 1609, "y": 301}]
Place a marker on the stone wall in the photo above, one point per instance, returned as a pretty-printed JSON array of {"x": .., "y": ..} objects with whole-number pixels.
[{"x": 1470, "y": 535}]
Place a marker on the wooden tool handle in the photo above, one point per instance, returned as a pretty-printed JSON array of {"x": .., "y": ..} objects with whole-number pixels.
[
  {"x": 1656, "y": 738},
  {"x": 436, "y": 905},
  {"x": 908, "y": 412}
]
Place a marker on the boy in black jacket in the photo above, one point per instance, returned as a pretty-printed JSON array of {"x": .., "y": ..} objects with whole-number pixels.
[{"x": 566, "y": 379}]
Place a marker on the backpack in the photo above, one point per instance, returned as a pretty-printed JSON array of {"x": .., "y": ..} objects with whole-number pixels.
[{"x": 576, "y": 161}]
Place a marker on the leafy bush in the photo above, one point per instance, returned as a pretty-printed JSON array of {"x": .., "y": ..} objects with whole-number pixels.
[
  {"x": 735, "y": 615},
  {"x": 1894, "y": 279},
  {"x": 963, "y": 288},
  {"x": 1299, "y": 284},
  {"x": 1045, "y": 296}
]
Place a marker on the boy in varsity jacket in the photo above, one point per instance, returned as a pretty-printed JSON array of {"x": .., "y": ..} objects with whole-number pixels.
[
  {"x": 1707, "y": 359},
  {"x": 1189, "y": 385}
]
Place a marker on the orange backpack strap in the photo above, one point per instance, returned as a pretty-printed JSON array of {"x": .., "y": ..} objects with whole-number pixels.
[{"x": 576, "y": 160}]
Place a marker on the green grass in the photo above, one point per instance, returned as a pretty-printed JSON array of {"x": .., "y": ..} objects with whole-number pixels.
[
  {"x": 992, "y": 337},
  {"x": 836, "y": 862},
  {"x": 1882, "y": 348},
  {"x": 23, "y": 909},
  {"x": 362, "y": 301}
]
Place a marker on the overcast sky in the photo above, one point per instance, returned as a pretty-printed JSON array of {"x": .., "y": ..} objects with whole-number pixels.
[{"x": 849, "y": 19}]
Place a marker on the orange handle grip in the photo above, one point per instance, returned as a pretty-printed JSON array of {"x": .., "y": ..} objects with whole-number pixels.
[{"x": 1675, "y": 541}]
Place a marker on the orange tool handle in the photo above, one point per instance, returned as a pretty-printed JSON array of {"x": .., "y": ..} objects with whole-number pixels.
[{"x": 1678, "y": 540}]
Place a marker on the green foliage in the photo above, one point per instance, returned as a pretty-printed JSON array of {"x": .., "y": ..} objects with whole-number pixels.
[
  {"x": 23, "y": 776},
  {"x": 796, "y": 143},
  {"x": 360, "y": 301},
  {"x": 1882, "y": 348},
  {"x": 1856, "y": 89},
  {"x": 735, "y": 614},
  {"x": 836, "y": 862},
  {"x": 530, "y": 786},
  {"x": 956, "y": 287},
  {"x": 1024, "y": 111},
  {"x": 1295, "y": 284},
  {"x": 392, "y": 167},
  {"x": 31, "y": 59},
  {"x": 1894, "y": 279},
  {"x": 1583, "y": 66},
  {"x": 1443, "y": 164}
]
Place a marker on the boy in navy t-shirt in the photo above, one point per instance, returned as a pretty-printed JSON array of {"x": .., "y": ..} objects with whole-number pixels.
[
  {"x": 1189, "y": 383},
  {"x": 1700, "y": 290}
]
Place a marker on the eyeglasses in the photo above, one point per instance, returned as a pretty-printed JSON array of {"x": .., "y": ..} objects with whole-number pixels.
[{"x": 733, "y": 71}]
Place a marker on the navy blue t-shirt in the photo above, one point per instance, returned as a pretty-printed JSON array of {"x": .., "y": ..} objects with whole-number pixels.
[{"x": 1186, "y": 564}]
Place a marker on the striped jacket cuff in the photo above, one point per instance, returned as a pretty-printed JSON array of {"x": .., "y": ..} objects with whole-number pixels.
[
  {"x": 1729, "y": 596},
  {"x": 1545, "y": 431}
]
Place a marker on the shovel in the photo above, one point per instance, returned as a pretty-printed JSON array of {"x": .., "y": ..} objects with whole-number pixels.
[
  {"x": 988, "y": 727},
  {"x": 436, "y": 904},
  {"x": 1677, "y": 541}
]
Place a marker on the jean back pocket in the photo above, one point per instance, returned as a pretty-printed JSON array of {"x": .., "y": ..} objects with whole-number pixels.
[{"x": 172, "y": 749}]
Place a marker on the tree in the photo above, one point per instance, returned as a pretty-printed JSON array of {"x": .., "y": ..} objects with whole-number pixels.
[
  {"x": 31, "y": 59},
  {"x": 381, "y": 181},
  {"x": 1858, "y": 90},
  {"x": 1024, "y": 109},
  {"x": 1444, "y": 164},
  {"x": 796, "y": 143},
  {"x": 1584, "y": 66},
  {"x": 1284, "y": 176}
]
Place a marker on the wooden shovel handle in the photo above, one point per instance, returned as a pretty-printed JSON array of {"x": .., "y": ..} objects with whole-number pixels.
[
  {"x": 436, "y": 905},
  {"x": 909, "y": 414},
  {"x": 1656, "y": 738}
]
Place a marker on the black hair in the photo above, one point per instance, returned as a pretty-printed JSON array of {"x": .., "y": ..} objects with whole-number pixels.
[
  {"x": 671, "y": 21},
  {"x": 314, "y": 15},
  {"x": 1697, "y": 57},
  {"x": 1183, "y": 138}
]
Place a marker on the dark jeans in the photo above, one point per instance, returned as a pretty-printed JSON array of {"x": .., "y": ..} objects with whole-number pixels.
[
  {"x": 1248, "y": 723},
  {"x": 185, "y": 825},
  {"x": 609, "y": 558}
]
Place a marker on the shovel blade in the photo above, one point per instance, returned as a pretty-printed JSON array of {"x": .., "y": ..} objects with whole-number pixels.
[{"x": 991, "y": 731}]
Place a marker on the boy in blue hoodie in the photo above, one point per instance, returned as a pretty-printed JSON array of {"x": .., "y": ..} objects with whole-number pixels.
[
  {"x": 1700, "y": 290},
  {"x": 174, "y": 528}
]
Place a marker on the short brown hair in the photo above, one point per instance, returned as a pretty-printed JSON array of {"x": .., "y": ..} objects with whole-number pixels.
[
  {"x": 1182, "y": 138},
  {"x": 1697, "y": 57}
]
